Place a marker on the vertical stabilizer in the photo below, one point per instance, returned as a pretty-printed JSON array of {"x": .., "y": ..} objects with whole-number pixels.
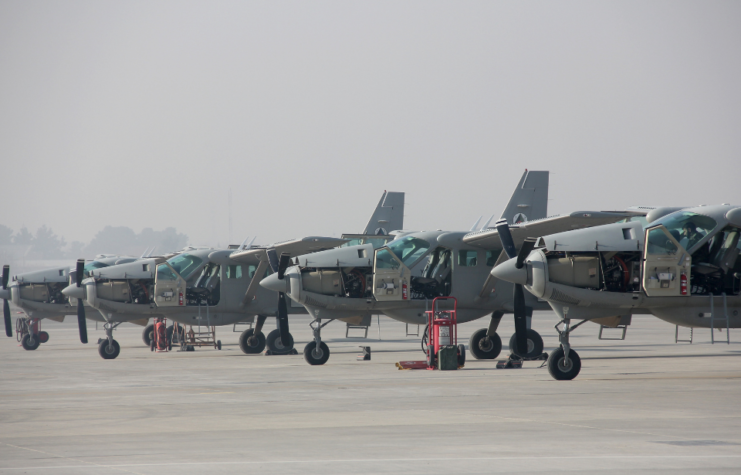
[
  {"x": 389, "y": 214},
  {"x": 530, "y": 199}
]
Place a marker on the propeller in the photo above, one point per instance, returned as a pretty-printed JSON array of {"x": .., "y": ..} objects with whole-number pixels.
[
  {"x": 81, "y": 322},
  {"x": 6, "y": 306},
  {"x": 519, "y": 293},
  {"x": 279, "y": 265}
]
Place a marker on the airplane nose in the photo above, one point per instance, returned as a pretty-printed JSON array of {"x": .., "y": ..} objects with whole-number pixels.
[
  {"x": 272, "y": 282},
  {"x": 508, "y": 272},
  {"x": 74, "y": 292}
]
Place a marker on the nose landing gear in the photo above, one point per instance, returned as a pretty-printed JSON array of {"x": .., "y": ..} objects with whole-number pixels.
[
  {"x": 317, "y": 352},
  {"x": 564, "y": 363},
  {"x": 108, "y": 348}
]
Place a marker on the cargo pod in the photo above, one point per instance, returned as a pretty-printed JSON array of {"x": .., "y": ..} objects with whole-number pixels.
[{"x": 666, "y": 265}]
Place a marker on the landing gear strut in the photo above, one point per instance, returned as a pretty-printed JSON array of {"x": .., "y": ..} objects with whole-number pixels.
[
  {"x": 108, "y": 348},
  {"x": 564, "y": 363},
  {"x": 27, "y": 331},
  {"x": 317, "y": 352}
]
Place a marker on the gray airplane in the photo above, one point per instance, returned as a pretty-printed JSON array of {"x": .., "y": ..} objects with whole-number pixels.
[
  {"x": 39, "y": 296},
  {"x": 682, "y": 267},
  {"x": 210, "y": 287},
  {"x": 401, "y": 278}
]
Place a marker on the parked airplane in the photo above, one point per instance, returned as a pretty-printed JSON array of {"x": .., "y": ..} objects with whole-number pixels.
[
  {"x": 683, "y": 267},
  {"x": 209, "y": 287},
  {"x": 401, "y": 278}
]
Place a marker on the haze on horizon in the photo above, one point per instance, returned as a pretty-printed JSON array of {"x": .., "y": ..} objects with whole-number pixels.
[{"x": 146, "y": 114}]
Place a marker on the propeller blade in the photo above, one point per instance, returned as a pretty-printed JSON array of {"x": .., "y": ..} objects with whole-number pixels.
[
  {"x": 506, "y": 237},
  {"x": 6, "y": 314},
  {"x": 81, "y": 321},
  {"x": 283, "y": 317},
  {"x": 6, "y": 275},
  {"x": 520, "y": 320},
  {"x": 285, "y": 259},
  {"x": 527, "y": 246},
  {"x": 80, "y": 272},
  {"x": 272, "y": 259}
]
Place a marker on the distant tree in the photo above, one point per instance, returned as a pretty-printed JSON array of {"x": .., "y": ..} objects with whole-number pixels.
[
  {"x": 48, "y": 244},
  {"x": 76, "y": 250},
  {"x": 6, "y": 235},
  {"x": 112, "y": 240},
  {"x": 23, "y": 237},
  {"x": 170, "y": 240}
]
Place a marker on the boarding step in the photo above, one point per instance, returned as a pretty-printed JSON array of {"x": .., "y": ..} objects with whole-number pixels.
[
  {"x": 350, "y": 327},
  {"x": 408, "y": 333},
  {"x": 678, "y": 340},
  {"x": 623, "y": 329},
  {"x": 717, "y": 322}
]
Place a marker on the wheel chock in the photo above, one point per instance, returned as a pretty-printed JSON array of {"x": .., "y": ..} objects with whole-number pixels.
[
  {"x": 270, "y": 353},
  {"x": 366, "y": 353}
]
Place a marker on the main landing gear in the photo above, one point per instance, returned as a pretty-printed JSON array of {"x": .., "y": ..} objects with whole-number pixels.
[
  {"x": 108, "y": 348},
  {"x": 564, "y": 363},
  {"x": 253, "y": 341},
  {"x": 28, "y": 333},
  {"x": 485, "y": 344},
  {"x": 317, "y": 352}
]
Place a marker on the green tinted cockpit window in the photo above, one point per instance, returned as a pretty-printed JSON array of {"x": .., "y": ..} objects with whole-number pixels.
[
  {"x": 184, "y": 264},
  {"x": 92, "y": 265},
  {"x": 386, "y": 260},
  {"x": 660, "y": 244},
  {"x": 409, "y": 249},
  {"x": 688, "y": 228}
]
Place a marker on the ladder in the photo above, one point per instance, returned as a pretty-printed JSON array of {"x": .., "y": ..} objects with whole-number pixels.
[
  {"x": 408, "y": 333},
  {"x": 201, "y": 335},
  {"x": 624, "y": 329},
  {"x": 248, "y": 323},
  {"x": 676, "y": 335},
  {"x": 356, "y": 327},
  {"x": 713, "y": 319}
]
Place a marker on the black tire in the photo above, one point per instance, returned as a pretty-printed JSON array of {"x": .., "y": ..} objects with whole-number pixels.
[
  {"x": 250, "y": 343},
  {"x": 534, "y": 345},
  {"x": 30, "y": 344},
  {"x": 218, "y": 344},
  {"x": 109, "y": 352},
  {"x": 151, "y": 345},
  {"x": 276, "y": 345},
  {"x": 314, "y": 356},
  {"x": 148, "y": 334},
  {"x": 461, "y": 354},
  {"x": 557, "y": 369},
  {"x": 43, "y": 337},
  {"x": 483, "y": 347}
]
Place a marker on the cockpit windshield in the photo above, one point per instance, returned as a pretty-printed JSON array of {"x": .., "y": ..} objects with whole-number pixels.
[
  {"x": 92, "y": 265},
  {"x": 688, "y": 228},
  {"x": 409, "y": 249},
  {"x": 184, "y": 264}
]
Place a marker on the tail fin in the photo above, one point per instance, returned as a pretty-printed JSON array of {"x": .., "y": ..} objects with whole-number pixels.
[
  {"x": 388, "y": 215},
  {"x": 530, "y": 199}
]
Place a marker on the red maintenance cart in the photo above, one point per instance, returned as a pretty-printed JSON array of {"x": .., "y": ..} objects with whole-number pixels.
[
  {"x": 443, "y": 350},
  {"x": 160, "y": 341}
]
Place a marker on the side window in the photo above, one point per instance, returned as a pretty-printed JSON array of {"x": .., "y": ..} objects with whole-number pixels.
[
  {"x": 491, "y": 258},
  {"x": 467, "y": 258},
  {"x": 660, "y": 244},
  {"x": 234, "y": 271},
  {"x": 251, "y": 269}
]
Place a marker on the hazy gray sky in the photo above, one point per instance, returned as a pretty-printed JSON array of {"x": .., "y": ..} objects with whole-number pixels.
[{"x": 145, "y": 114}]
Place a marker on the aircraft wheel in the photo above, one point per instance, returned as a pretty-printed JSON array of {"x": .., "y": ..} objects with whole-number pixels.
[
  {"x": 30, "y": 344},
  {"x": 218, "y": 344},
  {"x": 276, "y": 344},
  {"x": 534, "y": 345},
  {"x": 109, "y": 352},
  {"x": 43, "y": 337},
  {"x": 250, "y": 343},
  {"x": 561, "y": 371},
  {"x": 483, "y": 347},
  {"x": 148, "y": 334},
  {"x": 461, "y": 354},
  {"x": 314, "y": 355}
]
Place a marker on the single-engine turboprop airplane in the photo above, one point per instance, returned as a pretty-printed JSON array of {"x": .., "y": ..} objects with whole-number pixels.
[
  {"x": 401, "y": 278},
  {"x": 211, "y": 287},
  {"x": 39, "y": 295},
  {"x": 683, "y": 267}
]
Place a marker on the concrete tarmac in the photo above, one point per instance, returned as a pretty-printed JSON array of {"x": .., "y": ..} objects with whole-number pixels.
[{"x": 642, "y": 405}]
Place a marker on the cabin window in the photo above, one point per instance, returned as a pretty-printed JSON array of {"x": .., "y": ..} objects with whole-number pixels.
[
  {"x": 234, "y": 271},
  {"x": 251, "y": 271},
  {"x": 467, "y": 258}
]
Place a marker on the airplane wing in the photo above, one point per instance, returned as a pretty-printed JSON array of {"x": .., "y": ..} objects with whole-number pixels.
[
  {"x": 293, "y": 247},
  {"x": 489, "y": 238}
]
